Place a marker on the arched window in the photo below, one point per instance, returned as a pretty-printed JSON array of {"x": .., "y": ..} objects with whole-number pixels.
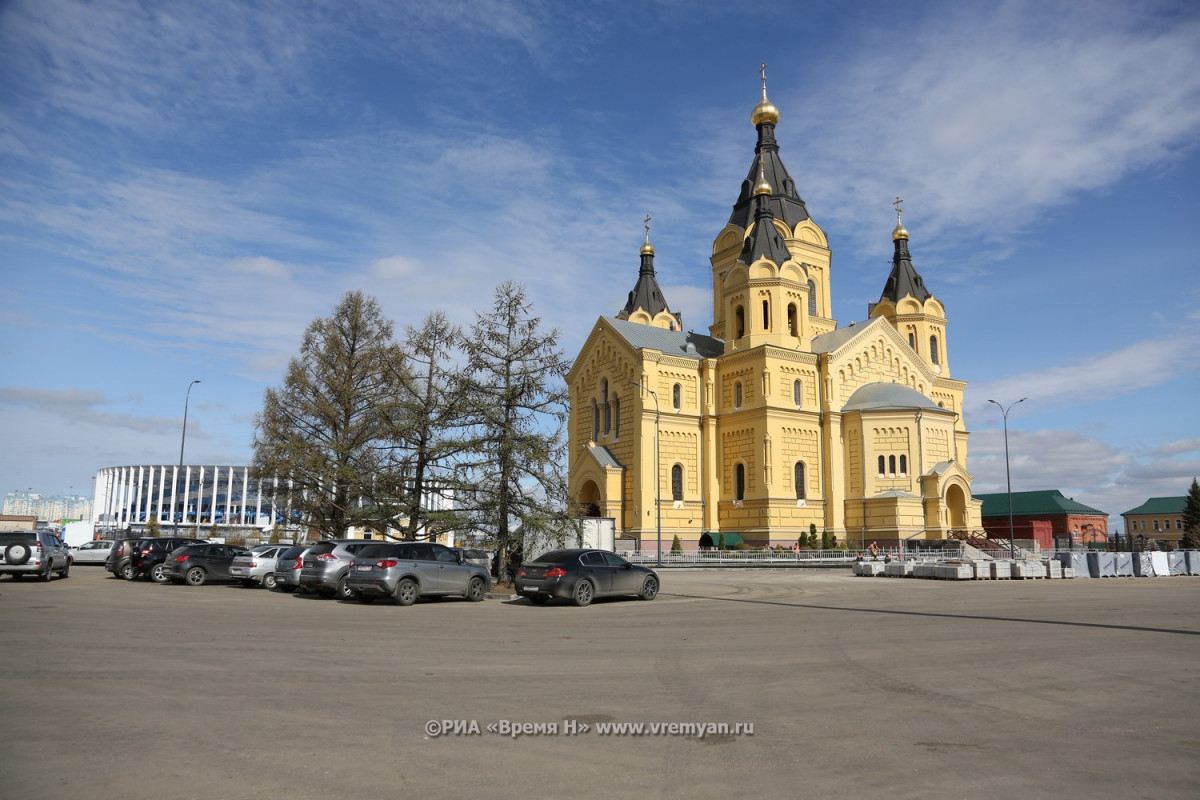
[
  {"x": 797, "y": 393},
  {"x": 912, "y": 340},
  {"x": 595, "y": 421},
  {"x": 793, "y": 326},
  {"x": 739, "y": 322},
  {"x": 799, "y": 476},
  {"x": 677, "y": 396},
  {"x": 616, "y": 416},
  {"x": 812, "y": 298},
  {"x": 677, "y": 482},
  {"x": 739, "y": 482},
  {"x": 737, "y": 395},
  {"x": 933, "y": 350},
  {"x": 891, "y": 465},
  {"x": 607, "y": 406},
  {"x": 882, "y": 470},
  {"x": 766, "y": 316},
  {"x": 903, "y": 464}
]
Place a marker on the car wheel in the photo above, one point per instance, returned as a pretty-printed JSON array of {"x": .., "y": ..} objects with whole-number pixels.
[
  {"x": 476, "y": 590},
  {"x": 195, "y": 577},
  {"x": 406, "y": 592},
  {"x": 17, "y": 554},
  {"x": 66, "y": 571},
  {"x": 343, "y": 591},
  {"x": 269, "y": 581},
  {"x": 649, "y": 589},
  {"x": 127, "y": 572},
  {"x": 48, "y": 575},
  {"x": 365, "y": 599},
  {"x": 583, "y": 593},
  {"x": 538, "y": 599},
  {"x": 156, "y": 573}
]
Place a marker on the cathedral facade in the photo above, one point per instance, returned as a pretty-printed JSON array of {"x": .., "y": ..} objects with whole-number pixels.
[{"x": 777, "y": 420}]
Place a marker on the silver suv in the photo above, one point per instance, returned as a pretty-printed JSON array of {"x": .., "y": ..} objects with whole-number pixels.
[
  {"x": 408, "y": 570},
  {"x": 326, "y": 565},
  {"x": 39, "y": 553}
]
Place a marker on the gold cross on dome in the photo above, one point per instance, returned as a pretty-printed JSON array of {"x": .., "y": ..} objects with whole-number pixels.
[
  {"x": 762, "y": 70},
  {"x": 896, "y": 205},
  {"x": 646, "y": 222}
]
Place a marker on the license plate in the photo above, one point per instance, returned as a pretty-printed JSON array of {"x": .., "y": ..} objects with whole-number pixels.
[
  {"x": 365, "y": 568},
  {"x": 530, "y": 589}
]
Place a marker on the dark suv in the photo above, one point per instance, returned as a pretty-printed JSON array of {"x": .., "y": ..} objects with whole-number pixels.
[
  {"x": 119, "y": 558},
  {"x": 38, "y": 553},
  {"x": 147, "y": 555}
]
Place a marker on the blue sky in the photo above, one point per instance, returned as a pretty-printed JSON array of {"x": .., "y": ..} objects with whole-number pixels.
[{"x": 185, "y": 186}]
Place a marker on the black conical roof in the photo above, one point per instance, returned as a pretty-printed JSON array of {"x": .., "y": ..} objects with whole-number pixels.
[
  {"x": 785, "y": 201},
  {"x": 646, "y": 293},
  {"x": 904, "y": 280},
  {"x": 764, "y": 241}
]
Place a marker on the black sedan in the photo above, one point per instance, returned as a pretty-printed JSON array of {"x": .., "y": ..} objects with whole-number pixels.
[
  {"x": 197, "y": 564},
  {"x": 583, "y": 575}
]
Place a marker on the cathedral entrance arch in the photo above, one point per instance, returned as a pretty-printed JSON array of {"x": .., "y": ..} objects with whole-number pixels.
[
  {"x": 589, "y": 498},
  {"x": 956, "y": 504}
]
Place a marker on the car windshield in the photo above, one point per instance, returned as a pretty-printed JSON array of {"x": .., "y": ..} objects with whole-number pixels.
[
  {"x": 557, "y": 557},
  {"x": 292, "y": 552},
  {"x": 378, "y": 551}
]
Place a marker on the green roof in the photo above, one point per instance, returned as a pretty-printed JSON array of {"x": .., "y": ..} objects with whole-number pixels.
[
  {"x": 1160, "y": 505},
  {"x": 1029, "y": 504}
]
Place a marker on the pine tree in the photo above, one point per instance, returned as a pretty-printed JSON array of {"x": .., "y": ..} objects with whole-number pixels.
[
  {"x": 676, "y": 545},
  {"x": 1191, "y": 519},
  {"x": 519, "y": 399}
]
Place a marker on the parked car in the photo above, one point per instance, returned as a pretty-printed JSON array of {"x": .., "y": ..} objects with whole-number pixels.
[
  {"x": 93, "y": 552},
  {"x": 288, "y": 566},
  {"x": 39, "y": 553},
  {"x": 257, "y": 566},
  {"x": 119, "y": 558},
  {"x": 408, "y": 570},
  {"x": 583, "y": 575},
  {"x": 198, "y": 564},
  {"x": 146, "y": 557},
  {"x": 326, "y": 564},
  {"x": 474, "y": 555}
]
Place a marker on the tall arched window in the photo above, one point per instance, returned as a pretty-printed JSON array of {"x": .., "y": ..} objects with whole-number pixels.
[
  {"x": 903, "y": 464},
  {"x": 799, "y": 476},
  {"x": 737, "y": 395},
  {"x": 739, "y": 322},
  {"x": 677, "y": 396},
  {"x": 677, "y": 482},
  {"x": 739, "y": 482},
  {"x": 891, "y": 465},
  {"x": 793, "y": 325},
  {"x": 607, "y": 406},
  {"x": 933, "y": 350},
  {"x": 797, "y": 393},
  {"x": 812, "y": 298},
  {"x": 912, "y": 340},
  {"x": 595, "y": 421},
  {"x": 882, "y": 465},
  {"x": 766, "y": 316}
]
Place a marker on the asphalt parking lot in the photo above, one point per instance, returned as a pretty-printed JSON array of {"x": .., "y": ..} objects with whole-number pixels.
[{"x": 855, "y": 687}]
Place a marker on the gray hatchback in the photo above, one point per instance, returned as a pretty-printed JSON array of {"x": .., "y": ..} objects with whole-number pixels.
[
  {"x": 408, "y": 570},
  {"x": 326, "y": 565}
]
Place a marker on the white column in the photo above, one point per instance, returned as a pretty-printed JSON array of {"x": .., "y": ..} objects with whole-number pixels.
[
  {"x": 199, "y": 497},
  {"x": 162, "y": 482},
  {"x": 245, "y": 491},
  {"x": 229, "y": 497},
  {"x": 187, "y": 490}
]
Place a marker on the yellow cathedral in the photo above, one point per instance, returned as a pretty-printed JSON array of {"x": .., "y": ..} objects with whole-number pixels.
[{"x": 777, "y": 420}]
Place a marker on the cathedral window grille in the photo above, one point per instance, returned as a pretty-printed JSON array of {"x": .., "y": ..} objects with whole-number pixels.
[
  {"x": 737, "y": 395},
  {"x": 607, "y": 407},
  {"x": 933, "y": 350},
  {"x": 739, "y": 482},
  {"x": 797, "y": 393},
  {"x": 677, "y": 482},
  {"x": 799, "y": 475},
  {"x": 882, "y": 465},
  {"x": 812, "y": 298},
  {"x": 891, "y": 465},
  {"x": 677, "y": 396},
  {"x": 903, "y": 464}
]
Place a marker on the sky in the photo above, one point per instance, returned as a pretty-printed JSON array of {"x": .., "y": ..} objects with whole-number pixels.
[{"x": 185, "y": 187}]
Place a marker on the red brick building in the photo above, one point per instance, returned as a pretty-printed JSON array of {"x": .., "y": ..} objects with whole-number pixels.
[{"x": 1046, "y": 517}]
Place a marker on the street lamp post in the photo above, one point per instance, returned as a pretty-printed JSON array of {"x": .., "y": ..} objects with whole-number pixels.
[
  {"x": 182, "y": 440},
  {"x": 1012, "y": 550},
  {"x": 657, "y": 478}
]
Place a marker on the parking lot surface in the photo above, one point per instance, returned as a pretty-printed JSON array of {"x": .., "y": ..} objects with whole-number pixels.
[{"x": 855, "y": 688}]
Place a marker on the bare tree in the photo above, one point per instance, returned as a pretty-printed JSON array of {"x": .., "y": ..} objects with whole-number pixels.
[{"x": 320, "y": 434}]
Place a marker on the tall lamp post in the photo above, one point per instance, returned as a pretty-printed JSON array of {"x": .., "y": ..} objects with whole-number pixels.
[
  {"x": 1012, "y": 551},
  {"x": 657, "y": 477},
  {"x": 182, "y": 439}
]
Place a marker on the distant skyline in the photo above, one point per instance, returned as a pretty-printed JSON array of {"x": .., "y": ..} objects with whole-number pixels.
[{"x": 184, "y": 187}]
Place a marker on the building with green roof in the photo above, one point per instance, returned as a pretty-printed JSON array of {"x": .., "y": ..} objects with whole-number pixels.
[
  {"x": 1160, "y": 518},
  {"x": 1045, "y": 516}
]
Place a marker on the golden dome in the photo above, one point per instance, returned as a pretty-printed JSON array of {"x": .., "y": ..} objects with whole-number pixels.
[
  {"x": 764, "y": 111},
  {"x": 762, "y": 187},
  {"x": 647, "y": 248},
  {"x": 900, "y": 232}
]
